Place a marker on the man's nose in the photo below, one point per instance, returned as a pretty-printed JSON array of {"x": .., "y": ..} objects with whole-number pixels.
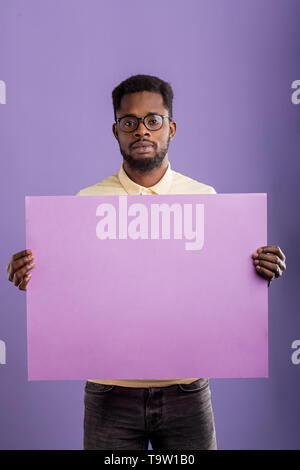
[{"x": 141, "y": 129}]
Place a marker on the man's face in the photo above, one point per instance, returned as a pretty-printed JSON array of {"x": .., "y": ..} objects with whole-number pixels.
[{"x": 140, "y": 104}]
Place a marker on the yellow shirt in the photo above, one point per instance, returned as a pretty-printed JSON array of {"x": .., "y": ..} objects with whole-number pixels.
[{"x": 171, "y": 183}]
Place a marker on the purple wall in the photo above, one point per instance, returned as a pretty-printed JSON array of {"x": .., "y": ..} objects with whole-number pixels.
[{"x": 231, "y": 64}]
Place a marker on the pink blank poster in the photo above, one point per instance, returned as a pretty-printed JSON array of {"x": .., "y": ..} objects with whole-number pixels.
[{"x": 160, "y": 287}]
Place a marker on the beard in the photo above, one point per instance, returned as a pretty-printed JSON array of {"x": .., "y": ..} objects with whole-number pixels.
[{"x": 145, "y": 164}]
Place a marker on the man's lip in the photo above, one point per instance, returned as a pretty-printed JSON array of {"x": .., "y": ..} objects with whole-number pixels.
[{"x": 142, "y": 144}]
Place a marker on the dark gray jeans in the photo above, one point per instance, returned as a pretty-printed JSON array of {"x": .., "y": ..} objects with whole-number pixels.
[{"x": 126, "y": 418}]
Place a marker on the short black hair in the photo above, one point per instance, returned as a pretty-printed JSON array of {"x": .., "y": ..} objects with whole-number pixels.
[{"x": 137, "y": 83}]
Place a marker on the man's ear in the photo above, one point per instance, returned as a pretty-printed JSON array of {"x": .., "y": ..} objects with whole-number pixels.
[
  {"x": 173, "y": 127},
  {"x": 115, "y": 132}
]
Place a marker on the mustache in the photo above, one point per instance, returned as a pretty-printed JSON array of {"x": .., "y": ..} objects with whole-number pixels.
[{"x": 143, "y": 142}]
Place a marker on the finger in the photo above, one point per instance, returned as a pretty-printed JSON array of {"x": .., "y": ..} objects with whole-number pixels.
[
  {"x": 16, "y": 265},
  {"x": 17, "y": 256},
  {"x": 24, "y": 282},
  {"x": 20, "y": 254},
  {"x": 271, "y": 258},
  {"x": 266, "y": 273},
  {"x": 20, "y": 273},
  {"x": 271, "y": 267},
  {"x": 272, "y": 249},
  {"x": 21, "y": 262}
]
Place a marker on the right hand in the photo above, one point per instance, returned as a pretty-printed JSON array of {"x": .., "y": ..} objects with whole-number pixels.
[{"x": 18, "y": 268}]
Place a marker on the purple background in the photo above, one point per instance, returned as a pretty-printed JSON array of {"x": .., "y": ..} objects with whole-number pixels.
[{"x": 231, "y": 64}]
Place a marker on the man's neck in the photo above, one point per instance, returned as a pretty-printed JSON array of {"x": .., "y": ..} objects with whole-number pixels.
[{"x": 147, "y": 179}]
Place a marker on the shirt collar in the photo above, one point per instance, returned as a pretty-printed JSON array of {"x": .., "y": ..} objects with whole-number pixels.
[{"x": 161, "y": 187}]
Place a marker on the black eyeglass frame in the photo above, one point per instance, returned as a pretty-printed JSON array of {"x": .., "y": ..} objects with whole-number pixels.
[{"x": 143, "y": 119}]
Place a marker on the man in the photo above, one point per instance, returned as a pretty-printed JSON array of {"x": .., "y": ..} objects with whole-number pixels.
[{"x": 174, "y": 413}]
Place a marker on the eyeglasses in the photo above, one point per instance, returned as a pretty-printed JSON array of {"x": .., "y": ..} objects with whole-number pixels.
[{"x": 130, "y": 122}]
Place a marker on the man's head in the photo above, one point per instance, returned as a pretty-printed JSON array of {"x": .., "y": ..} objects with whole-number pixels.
[{"x": 140, "y": 96}]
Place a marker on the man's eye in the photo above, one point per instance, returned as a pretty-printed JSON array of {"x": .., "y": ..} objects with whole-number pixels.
[{"x": 128, "y": 123}]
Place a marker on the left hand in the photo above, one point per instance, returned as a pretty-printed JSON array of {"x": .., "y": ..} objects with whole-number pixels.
[{"x": 269, "y": 262}]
